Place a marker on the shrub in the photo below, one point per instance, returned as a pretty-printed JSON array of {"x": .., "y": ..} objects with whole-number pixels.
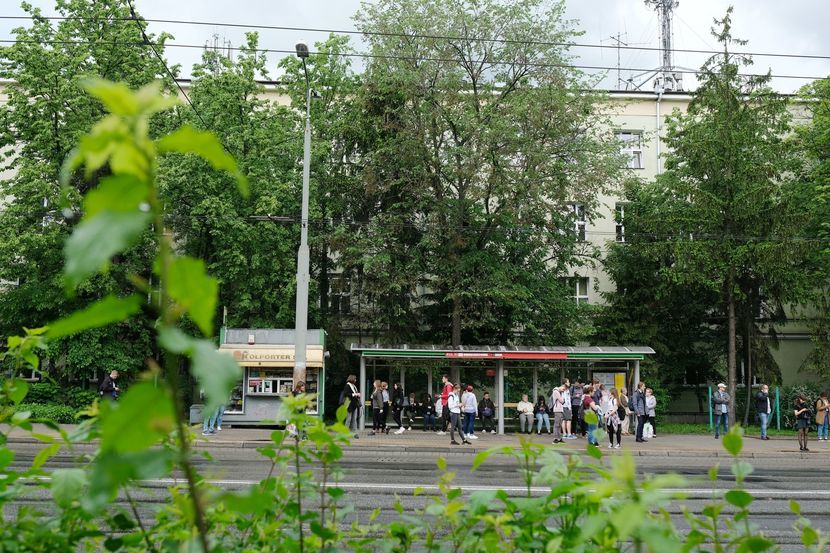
[
  {"x": 63, "y": 414},
  {"x": 49, "y": 393}
]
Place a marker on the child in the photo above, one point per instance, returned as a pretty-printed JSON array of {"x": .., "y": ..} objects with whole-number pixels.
[{"x": 486, "y": 412}]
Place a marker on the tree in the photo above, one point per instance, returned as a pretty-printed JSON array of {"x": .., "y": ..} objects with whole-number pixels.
[
  {"x": 722, "y": 213},
  {"x": 44, "y": 117},
  {"x": 253, "y": 259},
  {"x": 489, "y": 142}
]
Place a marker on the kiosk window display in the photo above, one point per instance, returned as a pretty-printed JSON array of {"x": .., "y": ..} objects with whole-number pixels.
[{"x": 266, "y": 359}]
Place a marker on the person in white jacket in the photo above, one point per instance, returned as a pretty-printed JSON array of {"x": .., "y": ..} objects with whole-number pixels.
[
  {"x": 651, "y": 407},
  {"x": 454, "y": 406},
  {"x": 525, "y": 410}
]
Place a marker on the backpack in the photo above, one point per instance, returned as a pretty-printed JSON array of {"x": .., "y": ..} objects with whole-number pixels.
[{"x": 342, "y": 397}]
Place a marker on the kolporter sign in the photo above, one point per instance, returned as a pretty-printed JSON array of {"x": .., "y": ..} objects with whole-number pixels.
[{"x": 253, "y": 356}]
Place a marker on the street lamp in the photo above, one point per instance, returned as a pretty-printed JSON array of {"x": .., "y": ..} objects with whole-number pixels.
[{"x": 301, "y": 312}]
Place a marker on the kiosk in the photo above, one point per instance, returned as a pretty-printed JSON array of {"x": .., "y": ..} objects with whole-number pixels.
[{"x": 266, "y": 360}]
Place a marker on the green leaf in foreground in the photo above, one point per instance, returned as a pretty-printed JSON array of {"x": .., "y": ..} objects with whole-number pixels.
[
  {"x": 138, "y": 420},
  {"x": 101, "y": 313},
  {"x": 96, "y": 240},
  {"x": 206, "y": 145},
  {"x": 67, "y": 486},
  {"x": 739, "y": 498},
  {"x": 192, "y": 288},
  {"x": 216, "y": 372},
  {"x": 733, "y": 442}
]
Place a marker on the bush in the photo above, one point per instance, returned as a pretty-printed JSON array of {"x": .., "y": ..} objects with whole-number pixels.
[
  {"x": 63, "y": 414},
  {"x": 49, "y": 393}
]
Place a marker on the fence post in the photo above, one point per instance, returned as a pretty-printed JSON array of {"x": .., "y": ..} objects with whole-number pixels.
[
  {"x": 711, "y": 427},
  {"x": 777, "y": 409}
]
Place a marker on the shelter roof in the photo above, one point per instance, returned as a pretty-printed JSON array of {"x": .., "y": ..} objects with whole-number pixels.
[{"x": 503, "y": 352}]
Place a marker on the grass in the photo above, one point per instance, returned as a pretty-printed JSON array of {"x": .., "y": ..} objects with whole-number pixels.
[{"x": 701, "y": 429}]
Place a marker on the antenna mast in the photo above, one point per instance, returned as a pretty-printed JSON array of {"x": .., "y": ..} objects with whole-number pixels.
[{"x": 666, "y": 77}]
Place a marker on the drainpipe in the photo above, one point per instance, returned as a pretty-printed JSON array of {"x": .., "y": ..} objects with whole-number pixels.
[{"x": 657, "y": 126}]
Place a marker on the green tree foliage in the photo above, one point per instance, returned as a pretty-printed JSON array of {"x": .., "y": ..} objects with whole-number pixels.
[
  {"x": 720, "y": 222},
  {"x": 485, "y": 143},
  {"x": 45, "y": 115},
  {"x": 254, "y": 260},
  {"x": 812, "y": 141}
]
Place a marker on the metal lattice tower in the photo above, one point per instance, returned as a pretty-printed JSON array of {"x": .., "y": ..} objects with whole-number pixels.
[{"x": 667, "y": 77}]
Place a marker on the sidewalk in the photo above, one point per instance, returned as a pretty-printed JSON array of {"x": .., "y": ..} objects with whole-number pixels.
[{"x": 677, "y": 445}]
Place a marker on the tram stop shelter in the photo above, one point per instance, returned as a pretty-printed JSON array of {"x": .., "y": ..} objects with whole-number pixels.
[{"x": 488, "y": 367}]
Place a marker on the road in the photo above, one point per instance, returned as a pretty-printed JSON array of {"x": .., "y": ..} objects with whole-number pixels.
[{"x": 375, "y": 477}]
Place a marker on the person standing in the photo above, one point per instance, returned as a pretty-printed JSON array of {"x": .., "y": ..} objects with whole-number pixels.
[
  {"x": 387, "y": 405},
  {"x": 540, "y": 411},
  {"x": 639, "y": 399},
  {"x": 566, "y": 411},
  {"x": 454, "y": 407},
  {"x": 626, "y": 420},
  {"x": 588, "y": 405},
  {"x": 525, "y": 410},
  {"x": 428, "y": 412},
  {"x": 822, "y": 418},
  {"x": 351, "y": 397},
  {"x": 612, "y": 417},
  {"x": 558, "y": 408},
  {"x": 397, "y": 406},
  {"x": 109, "y": 388},
  {"x": 445, "y": 394},
  {"x": 486, "y": 412},
  {"x": 576, "y": 407},
  {"x": 378, "y": 406},
  {"x": 802, "y": 420},
  {"x": 470, "y": 404},
  {"x": 762, "y": 405},
  {"x": 651, "y": 411},
  {"x": 720, "y": 403}
]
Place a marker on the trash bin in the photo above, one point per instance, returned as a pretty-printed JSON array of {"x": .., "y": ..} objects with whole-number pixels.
[{"x": 196, "y": 413}]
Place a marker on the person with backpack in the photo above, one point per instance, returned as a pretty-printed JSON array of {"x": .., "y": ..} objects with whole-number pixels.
[
  {"x": 822, "y": 418},
  {"x": 109, "y": 388},
  {"x": 720, "y": 405},
  {"x": 351, "y": 397},
  {"x": 428, "y": 412},
  {"x": 397, "y": 401},
  {"x": 487, "y": 412}
]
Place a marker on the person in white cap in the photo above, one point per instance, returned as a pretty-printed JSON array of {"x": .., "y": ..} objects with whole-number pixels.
[{"x": 720, "y": 403}]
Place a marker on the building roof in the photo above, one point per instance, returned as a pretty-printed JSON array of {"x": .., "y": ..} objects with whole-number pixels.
[
  {"x": 272, "y": 336},
  {"x": 503, "y": 352}
]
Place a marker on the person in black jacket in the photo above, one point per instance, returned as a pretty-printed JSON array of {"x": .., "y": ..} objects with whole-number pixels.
[
  {"x": 487, "y": 413},
  {"x": 397, "y": 406},
  {"x": 762, "y": 405},
  {"x": 109, "y": 389},
  {"x": 352, "y": 399},
  {"x": 428, "y": 412}
]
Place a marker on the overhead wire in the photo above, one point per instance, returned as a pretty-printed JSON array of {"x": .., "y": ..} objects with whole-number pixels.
[
  {"x": 407, "y": 58},
  {"x": 420, "y": 36}
]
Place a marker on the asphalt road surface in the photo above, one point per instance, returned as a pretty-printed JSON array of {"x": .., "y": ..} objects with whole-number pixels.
[{"x": 378, "y": 476}]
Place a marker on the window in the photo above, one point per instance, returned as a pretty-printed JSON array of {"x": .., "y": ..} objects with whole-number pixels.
[
  {"x": 632, "y": 147},
  {"x": 340, "y": 295},
  {"x": 581, "y": 289},
  {"x": 619, "y": 220},
  {"x": 578, "y": 212}
]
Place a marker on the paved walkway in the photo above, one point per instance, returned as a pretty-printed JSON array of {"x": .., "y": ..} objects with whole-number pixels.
[{"x": 685, "y": 445}]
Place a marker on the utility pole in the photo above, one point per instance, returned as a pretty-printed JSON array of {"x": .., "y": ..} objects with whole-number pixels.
[
  {"x": 619, "y": 43},
  {"x": 301, "y": 313}
]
